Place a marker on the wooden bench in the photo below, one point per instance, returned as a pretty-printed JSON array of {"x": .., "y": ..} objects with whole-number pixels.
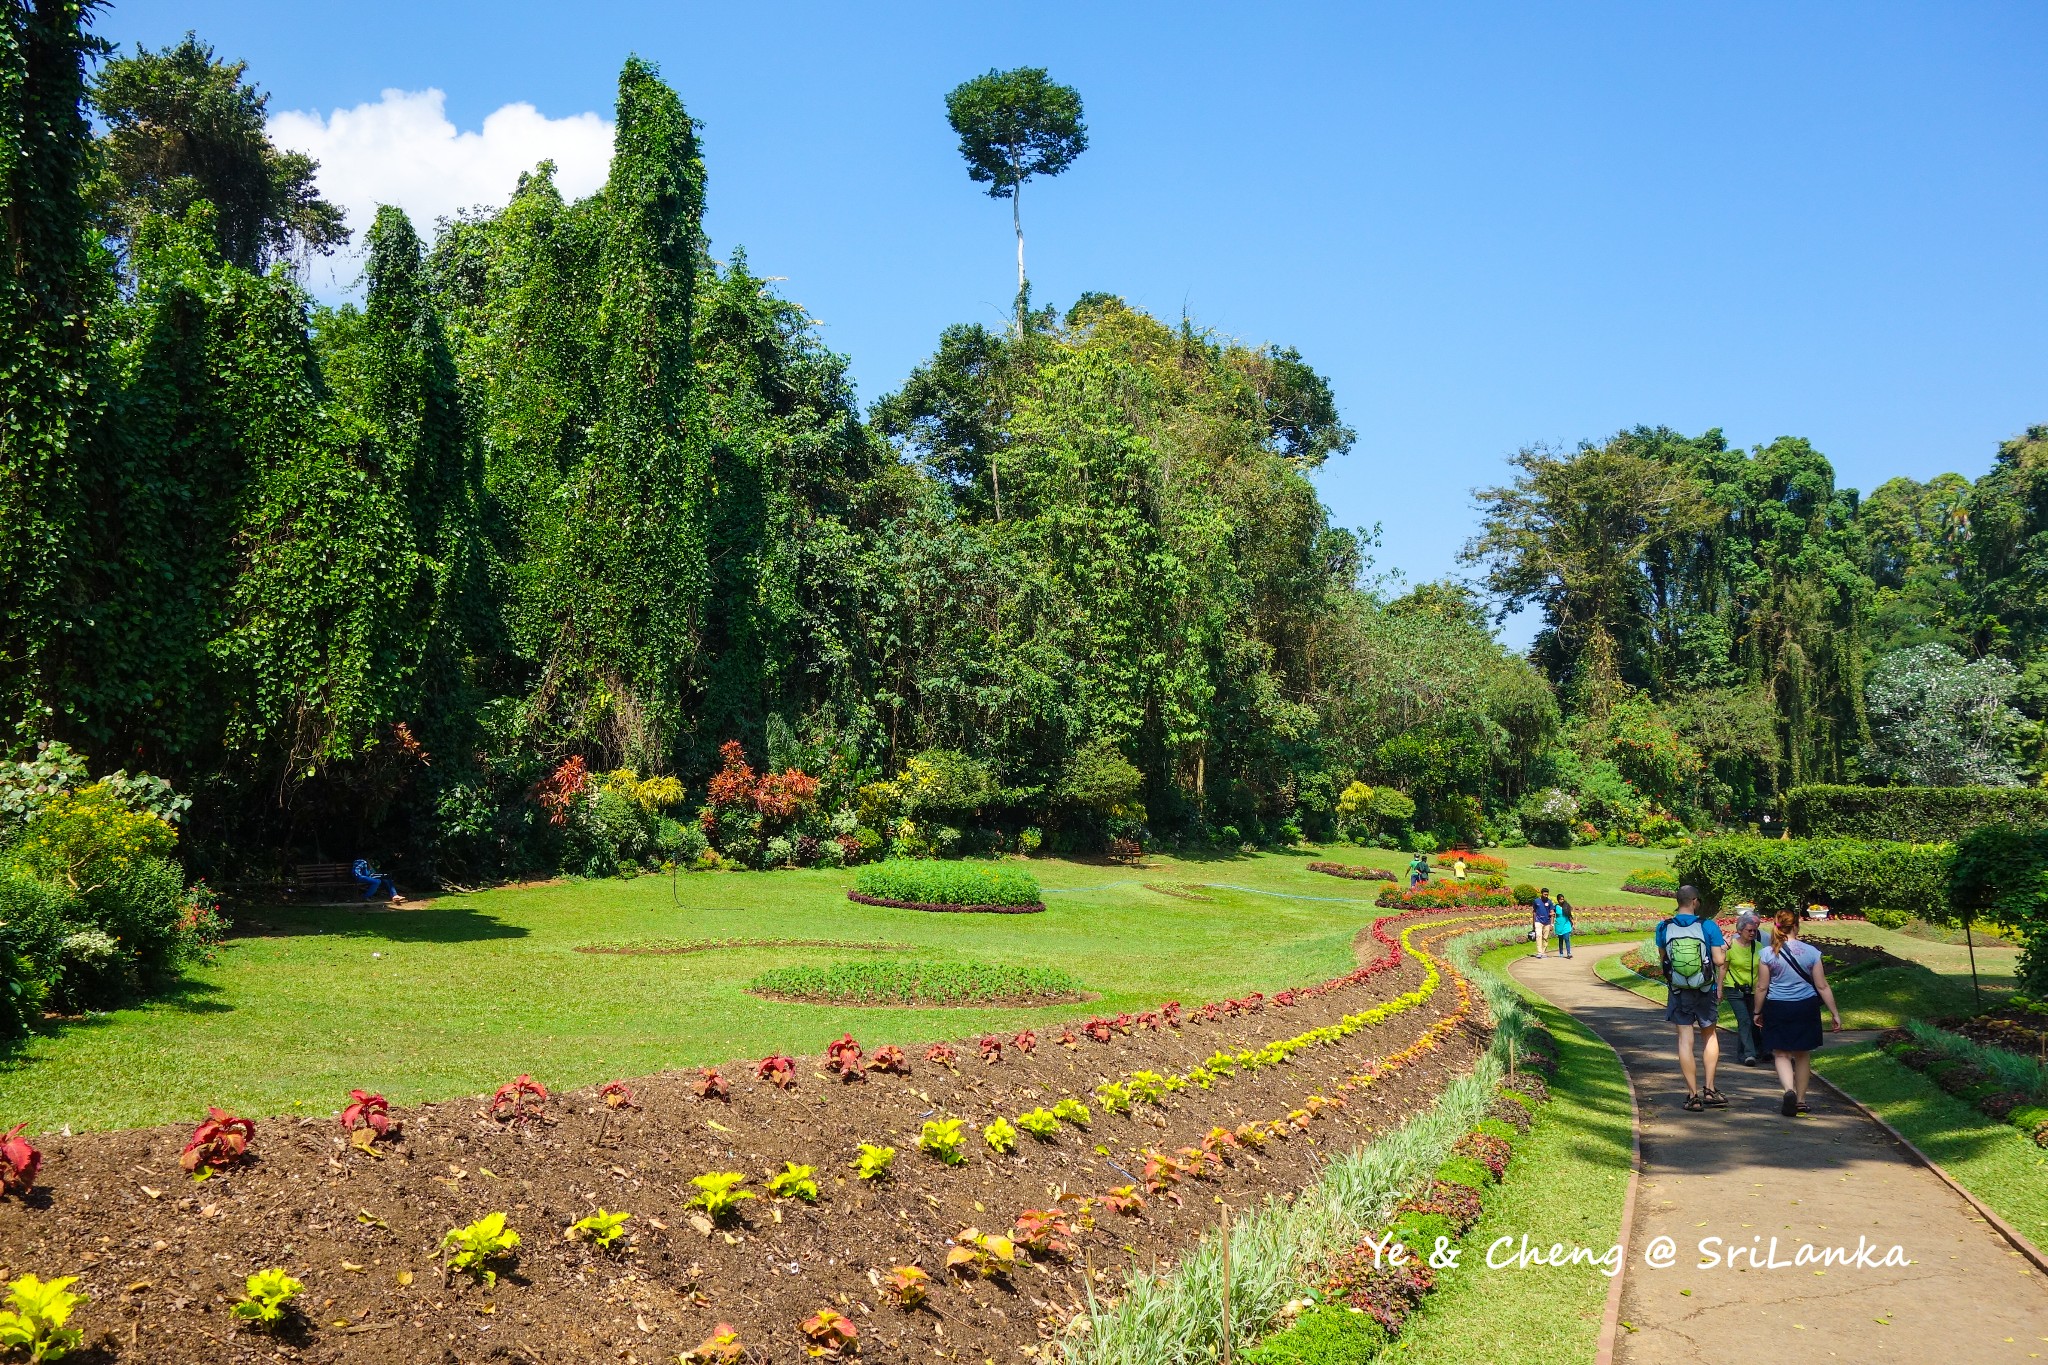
[{"x": 328, "y": 879}]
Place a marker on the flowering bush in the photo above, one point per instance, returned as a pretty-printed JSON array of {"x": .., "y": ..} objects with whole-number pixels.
[{"x": 1442, "y": 895}]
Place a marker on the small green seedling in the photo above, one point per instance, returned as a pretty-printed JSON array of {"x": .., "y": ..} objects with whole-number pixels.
[
  {"x": 267, "y": 1298},
  {"x": 999, "y": 1135},
  {"x": 600, "y": 1229},
  {"x": 1072, "y": 1111},
  {"x": 1040, "y": 1123},
  {"x": 35, "y": 1316},
  {"x": 794, "y": 1182},
  {"x": 719, "y": 1194},
  {"x": 873, "y": 1161},
  {"x": 943, "y": 1139},
  {"x": 475, "y": 1246}
]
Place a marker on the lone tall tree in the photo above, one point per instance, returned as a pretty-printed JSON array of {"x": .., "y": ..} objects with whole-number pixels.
[{"x": 1014, "y": 125}]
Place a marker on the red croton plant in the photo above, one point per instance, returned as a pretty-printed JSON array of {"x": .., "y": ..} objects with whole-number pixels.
[
  {"x": 218, "y": 1143},
  {"x": 778, "y": 1070},
  {"x": 939, "y": 1054},
  {"x": 617, "y": 1095},
  {"x": 19, "y": 1162},
  {"x": 709, "y": 1085},
  {"x": 889, "y": 1060},
  {"x": 367, "y": 1117},
  {"x": 519, "y": 1099},
  {"x": 843, "y": 1055}
]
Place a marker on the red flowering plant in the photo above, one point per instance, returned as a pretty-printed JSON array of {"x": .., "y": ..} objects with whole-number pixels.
[
  {"x": 890, "y": 1061},
  {"x": 1367, "y": 1279},
  {"x": 746, "y": 809},
  {"x": 19, "y": 1162},
  {"x": 939, "y": 1054},
  {"x": 778, "y": 1070},
  {"x": 367, "y": 1117},
  {"x": 557, "y": 793},
  {"x": 518, "y": 1100},
  {"x": 843, "y": 1055},
  {"x": 217, "y": 1143}
]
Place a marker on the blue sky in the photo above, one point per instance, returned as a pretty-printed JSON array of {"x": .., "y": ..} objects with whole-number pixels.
[{"x": 1491, "y": 226}]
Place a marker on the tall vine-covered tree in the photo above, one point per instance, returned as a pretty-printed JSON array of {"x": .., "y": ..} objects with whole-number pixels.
[
  {"x": 184, "y": 127},
  {"x": 631, "y": 567},
  {"x": 47, "y": 380},
  {"x": 1014, "y": 125}
]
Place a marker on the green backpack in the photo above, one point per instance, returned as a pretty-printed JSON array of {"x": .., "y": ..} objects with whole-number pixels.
[{"x": 1686, "y": 960}]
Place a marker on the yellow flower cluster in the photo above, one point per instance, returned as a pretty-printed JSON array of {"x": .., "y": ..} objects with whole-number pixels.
[{"x": 89, "y": 836}]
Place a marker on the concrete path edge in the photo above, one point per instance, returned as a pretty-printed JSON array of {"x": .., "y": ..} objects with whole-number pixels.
[{"x": 2004, "y": 1229}]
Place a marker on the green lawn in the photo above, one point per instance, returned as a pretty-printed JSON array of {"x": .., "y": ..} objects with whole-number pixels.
[
  {"x": 1566, "y": 1184},
  {"x": 1992, "y": 1160},
  {"x": 457, "y": 995}
]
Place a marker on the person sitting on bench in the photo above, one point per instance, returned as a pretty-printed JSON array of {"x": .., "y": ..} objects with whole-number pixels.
[{"x": 374, "y": 881}]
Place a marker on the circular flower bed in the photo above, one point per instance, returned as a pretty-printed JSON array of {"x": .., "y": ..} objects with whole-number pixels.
[
  {"x": 1356, "y": 874},
  {"x": 928, "y": 884},
  {"x": 924, "y": 982}
]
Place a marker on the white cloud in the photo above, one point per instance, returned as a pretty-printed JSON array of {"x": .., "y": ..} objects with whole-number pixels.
[{"x": 403, "y": 150}]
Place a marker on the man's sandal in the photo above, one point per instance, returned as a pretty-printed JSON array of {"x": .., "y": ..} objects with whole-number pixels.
[
  {"x": 1693, "y": 1104},
  {"x": 1715, "y": 1098}
]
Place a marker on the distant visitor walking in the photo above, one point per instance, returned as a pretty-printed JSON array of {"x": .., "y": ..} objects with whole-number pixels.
[
  {"x": 1561, "y": 922},
  {"x": 1789, "y": 1010},
  {"x": 1540, "y": 915}
]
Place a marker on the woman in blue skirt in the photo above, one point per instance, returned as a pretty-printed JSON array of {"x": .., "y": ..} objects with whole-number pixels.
[{"x": 1788, "y": 1008}]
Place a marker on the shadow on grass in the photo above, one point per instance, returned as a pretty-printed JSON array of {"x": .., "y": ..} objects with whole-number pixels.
[{"x": 453, "y": 924}]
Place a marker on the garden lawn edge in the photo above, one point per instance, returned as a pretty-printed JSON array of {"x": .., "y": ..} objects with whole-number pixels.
[
  {"x": 1550, "y": 1183},
  {"x": 1986, "y": 1161},
  {"x": 1034, "y": 908},
  {"x": 1171, "y": 1315}
]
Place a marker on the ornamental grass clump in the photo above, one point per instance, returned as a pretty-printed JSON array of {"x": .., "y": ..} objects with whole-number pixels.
[{"x": 923, "y": 881}]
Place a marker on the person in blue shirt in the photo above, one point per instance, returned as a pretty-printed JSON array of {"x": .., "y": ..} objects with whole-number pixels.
[
  {"x": 375, "y": 882},
  {"x": 1540, "y": 915},
  {"x": 1695, "y": 957},
  {"x": 1788, "y": 1008}
]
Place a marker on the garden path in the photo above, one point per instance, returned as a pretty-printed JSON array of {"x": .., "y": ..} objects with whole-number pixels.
[{"x": 1746, "y": 1174}]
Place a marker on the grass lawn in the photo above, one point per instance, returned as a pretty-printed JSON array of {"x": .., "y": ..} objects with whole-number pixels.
[
  {"x": 455, "y": 996},
  {"x": 1566, "y": 1184},
  {"x": 1992, "y": 1160}
]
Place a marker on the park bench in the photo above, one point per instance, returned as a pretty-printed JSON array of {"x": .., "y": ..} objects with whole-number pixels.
[{"x": 324, "y": 881}]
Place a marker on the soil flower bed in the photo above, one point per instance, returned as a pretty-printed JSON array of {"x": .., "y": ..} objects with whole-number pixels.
[
  {"x": 679, "y": 949},
  {"x": 1972, "y": 1073},
  {"x": 919, "y": 983},
  {"x": 775, "y": 1202}
]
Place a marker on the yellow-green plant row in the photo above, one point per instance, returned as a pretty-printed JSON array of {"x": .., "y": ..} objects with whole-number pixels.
[{"x": 1117, "y": 1096}]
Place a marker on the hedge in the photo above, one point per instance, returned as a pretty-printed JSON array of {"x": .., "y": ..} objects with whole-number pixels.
[
  {"x": 1915, "y": 814},
  {"x": 1843, "y": 874}
]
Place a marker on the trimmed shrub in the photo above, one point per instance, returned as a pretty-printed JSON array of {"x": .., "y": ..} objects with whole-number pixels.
[
  {"x": 1524, "y": 893},
  {"x": 1463, "y": 1170},
  {"x": 1651, "y": 881},
  {"x": 1845, "y": 874},
  {"x": 1327, "y": 1334},
  {"x": 1917, "y": 814},
  {"x": 919, "y": 881},
  {"x": 2001, "y": 874},
  {"x": 1444, "y": 895},
  {"x": 1495, "y": 1128},
  {"x": 1419, "y": 1231}
]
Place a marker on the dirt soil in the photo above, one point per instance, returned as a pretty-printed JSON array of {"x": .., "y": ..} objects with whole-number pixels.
[
  {"x": 163, "y": 1257},
  {"x": 2014, "y": 1028}
]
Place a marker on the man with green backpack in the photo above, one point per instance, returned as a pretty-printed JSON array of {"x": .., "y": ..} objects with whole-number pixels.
[{"x": 1695, "y": 958}]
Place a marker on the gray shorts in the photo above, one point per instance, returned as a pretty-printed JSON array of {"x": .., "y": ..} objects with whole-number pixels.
[{"x": 1698, "y": 1008}]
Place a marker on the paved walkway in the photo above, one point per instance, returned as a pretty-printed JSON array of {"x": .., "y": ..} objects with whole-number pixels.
[{"x": 1747, "y": 1174}]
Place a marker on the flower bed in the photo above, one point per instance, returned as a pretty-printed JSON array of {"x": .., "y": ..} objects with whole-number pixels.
[
  {"x": 1564, "y": 867},
  {"x": 1368, "y": 1294},
  {"x": 2002, "y": 1085},
  {"x": 1442, "y": 895},
  {"x": 1475, "y": 862},
  {"x": 927, "y": 884},
  {"x": 1651, "y": 881},
  {"x": 919, "y": 983},
  {"x": 979, "y": 1132},
  {"x": 1356, "y": 874}
]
